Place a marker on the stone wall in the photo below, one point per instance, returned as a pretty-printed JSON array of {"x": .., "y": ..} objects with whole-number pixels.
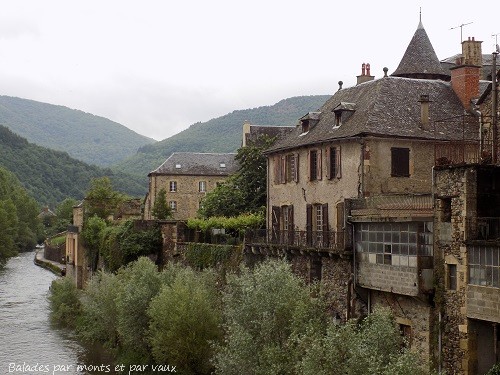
[
  {"x": 483, "y": 303},
  {"x": 55, "y": 253}
]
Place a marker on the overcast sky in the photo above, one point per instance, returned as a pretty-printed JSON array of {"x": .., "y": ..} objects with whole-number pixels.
[{"x": 157, "y": 66}]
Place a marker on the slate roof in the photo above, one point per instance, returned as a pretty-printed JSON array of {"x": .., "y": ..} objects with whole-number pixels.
[
  {"x": 198, "y": 164},
  {"x": 451, "y": 62},
  {"x": 270, "y": 130},
  {"x": 390, "y": 107},
  {"x": 387, "y": 106},
  {"x": 420, "y": 60}
]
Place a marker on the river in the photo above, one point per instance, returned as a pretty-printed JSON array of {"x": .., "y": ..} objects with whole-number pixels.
[{"x": 29, "y": 344}]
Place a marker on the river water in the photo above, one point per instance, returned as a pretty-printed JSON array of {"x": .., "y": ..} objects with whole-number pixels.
[{"x": 28, "y": 342}]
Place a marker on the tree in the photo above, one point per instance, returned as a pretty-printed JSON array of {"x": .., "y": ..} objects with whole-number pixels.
[
  {"x": 245, "y": 191},
  {"x": 161, "y": 209},
  {"x": 265, "y": 309},
  {"x": 92, "y": 233},
  {"x": 185, "y": 320},
  {"x": 101, "y": 200}
]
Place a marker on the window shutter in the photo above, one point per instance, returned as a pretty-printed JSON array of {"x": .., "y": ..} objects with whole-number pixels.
[
  {"x": 327, "y": 162},
  {"x": 319, "y": 164},
  {"x": 291, "y": 230},
  {"x": 275, "y": 222},
  {"x": 309, "y": 210},
  {"x": 325, "y": 228},
  {"x": 296, "y": 173},
  {"x": 283, "y": 169},
  {"x": 275, "y": 169},
  {"x": 309, "y": 164},
  {"x": 340, "y": 222},
  {"x": 338, "y": 165}
]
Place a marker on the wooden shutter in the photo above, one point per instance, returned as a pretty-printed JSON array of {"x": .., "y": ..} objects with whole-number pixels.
[
  {"x": 276, "y": 169},
  {"x": 340, "y": 223},
  {"x": 291, "y": 228},
  {"x": 319, "y": 164},
  {"x": 325, "y": 228},
  {"x": 327, "y": 162},
  {"x": 338, "y": 169},
  {"x": 275, "y": 223},
  {"x": 296, "y": 172},
  {"x": 283, "y": 169},
  {"x": 309, "y": 212}
]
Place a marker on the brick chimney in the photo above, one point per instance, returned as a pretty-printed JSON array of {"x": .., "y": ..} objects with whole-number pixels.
[
  {"x": 365, "y": 74},
  {"x": 466, "y": 74}
]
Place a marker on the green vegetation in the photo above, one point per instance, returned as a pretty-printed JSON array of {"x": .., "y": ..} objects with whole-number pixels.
[
  {"x": 52, "y": 176},
  {"x": 261, "y": 321},
  {"x": 64, "y": 302},
  {"x": 222, "y": 134},
  {"x": 161, "y": 209},
  {"x": 91, "y": 139},
  {"x": 19, "y": 227}
]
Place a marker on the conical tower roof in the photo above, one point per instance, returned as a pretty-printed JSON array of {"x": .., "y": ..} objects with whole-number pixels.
[{"x": 420, "y": 60}]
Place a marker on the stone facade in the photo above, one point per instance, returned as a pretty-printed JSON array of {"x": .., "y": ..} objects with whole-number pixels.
[{"x": 469, "y": 299}]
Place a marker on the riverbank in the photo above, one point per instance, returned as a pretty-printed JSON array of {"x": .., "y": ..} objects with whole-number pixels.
[{"x": 57, "y": 268}]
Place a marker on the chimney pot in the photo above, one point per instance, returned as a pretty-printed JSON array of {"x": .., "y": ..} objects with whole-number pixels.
[
  {"x": 368, "y": 69},
  {"x": 363, "y": 69}
]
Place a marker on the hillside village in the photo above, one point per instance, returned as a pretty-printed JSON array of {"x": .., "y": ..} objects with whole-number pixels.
[{"x": 387, "y": 195}]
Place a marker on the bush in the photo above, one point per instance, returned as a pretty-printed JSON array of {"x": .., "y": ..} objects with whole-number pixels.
[
  {"x": 99, "y": 310},
  {"x": 185, "y": 320},
  {"x": 265, "y": 310},
  {"x": 65, "y": 306},
  {"x": 141, "y": 282}
]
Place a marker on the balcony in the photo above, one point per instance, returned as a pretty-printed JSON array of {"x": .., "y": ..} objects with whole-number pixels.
[{"x": 322, "y": 241}]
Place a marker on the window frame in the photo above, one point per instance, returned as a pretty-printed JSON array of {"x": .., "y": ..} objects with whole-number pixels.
[
  {"x": 173, "y": 205},
  {"x": 202, "y": 186},
  {"x": 172, "y": 186}
]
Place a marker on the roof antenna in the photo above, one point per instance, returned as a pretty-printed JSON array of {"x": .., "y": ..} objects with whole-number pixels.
[{"x": 461, "y": 26}]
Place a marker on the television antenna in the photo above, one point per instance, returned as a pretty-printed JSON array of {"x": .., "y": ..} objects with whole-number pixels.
[{"x": 461, "y": 27}]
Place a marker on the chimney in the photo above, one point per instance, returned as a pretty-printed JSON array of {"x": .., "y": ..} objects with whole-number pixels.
[
  {"x": 471, "y": 53},
  {"x": 466, "y": 74},
  {"x": 424, "y": 112},
  {"x": 365, "y": 74}
]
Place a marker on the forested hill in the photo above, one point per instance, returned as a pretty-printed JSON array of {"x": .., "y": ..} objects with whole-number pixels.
[
  {"x": 222, "y": 134},
  {"x": 51, "y": 176},
  {"x": 92, "y": 139}
]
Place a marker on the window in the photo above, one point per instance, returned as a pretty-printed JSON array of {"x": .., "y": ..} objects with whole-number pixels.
[
  {"x": 314, "y": 165},
  {"x": 202, "y": 186},
  {"x": 305, "y": 126},
  {"x": 446, "y": 210},
  {"x": 405, "y": 331},
  {"x": 173, "y": 205},
  {"x": 484, "y": 265},
  {"x": 333, "y": 160},
  {"x": 400, "y": 162},
  {"x": 173, "y": 186},
  {"x": 452, "y": 276},
  {"x": 338, "y": 118},
  {"x": 317, "y": 229},
  {"x": 397, "y": 244}
]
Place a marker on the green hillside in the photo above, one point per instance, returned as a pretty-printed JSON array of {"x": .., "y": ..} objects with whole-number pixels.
[
  {"x": 222, "y": 134},
  {"x": 92, "y": 139},
  {"x": 51, "y": 176}
]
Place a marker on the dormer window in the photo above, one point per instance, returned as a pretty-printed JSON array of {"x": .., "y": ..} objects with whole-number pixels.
[
  {"x": 308, "y": 121},
  {"x": 342, "y": 112}
]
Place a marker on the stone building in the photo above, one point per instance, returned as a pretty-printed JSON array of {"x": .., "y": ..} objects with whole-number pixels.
[
  {"x": 186, "y": 178},
  {"x": 467, "y": 249},
  {"x": 350, "y": 190}
]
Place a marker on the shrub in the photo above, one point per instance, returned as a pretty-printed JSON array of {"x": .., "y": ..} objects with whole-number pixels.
[
  {"x": 185, "y": 319},
  {"x": 65, "y": 306}
]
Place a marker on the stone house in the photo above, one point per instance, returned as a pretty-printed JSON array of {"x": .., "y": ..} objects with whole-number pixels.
[
  {"x": 186, "y": 178},
  {"x": 467, "y": 248},
  {"x": 350, "y": 189}
]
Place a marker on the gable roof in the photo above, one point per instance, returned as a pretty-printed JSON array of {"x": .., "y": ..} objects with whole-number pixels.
[
  {"x": 255, "y": 132},
  {"x": 420, "y": 59},
  {"x": 198, "y": 164}
]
